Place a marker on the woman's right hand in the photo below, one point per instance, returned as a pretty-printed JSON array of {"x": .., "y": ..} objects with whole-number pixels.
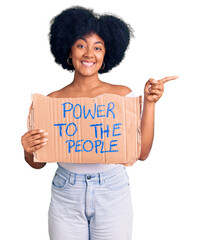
[{"x": 34, "y": 140}]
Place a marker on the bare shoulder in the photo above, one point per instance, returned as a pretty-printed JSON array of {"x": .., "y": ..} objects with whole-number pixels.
[
  {"x": 124, "y": 90},
  {"x": 63, "y": 92},
  {"x": 53, "y": 94},
  {"x": 121, "y": 90}
]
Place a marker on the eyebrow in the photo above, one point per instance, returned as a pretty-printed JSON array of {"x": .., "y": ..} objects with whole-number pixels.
[{"x": 94, "y": 43}]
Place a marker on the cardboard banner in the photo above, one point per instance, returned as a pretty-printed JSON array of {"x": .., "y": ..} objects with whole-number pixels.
[{"x": 104, "y": 129}]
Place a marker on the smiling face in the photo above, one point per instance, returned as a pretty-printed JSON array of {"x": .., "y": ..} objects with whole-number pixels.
[{"x": 87, "y": 54}]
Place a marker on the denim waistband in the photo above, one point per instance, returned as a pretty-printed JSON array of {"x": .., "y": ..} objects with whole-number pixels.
[{"x": 100, "y": 176}]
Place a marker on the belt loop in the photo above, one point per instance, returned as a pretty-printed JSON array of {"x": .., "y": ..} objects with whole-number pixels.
[
  {"x": 100, "y": 179},
  {"x": 72, "y": 178}
]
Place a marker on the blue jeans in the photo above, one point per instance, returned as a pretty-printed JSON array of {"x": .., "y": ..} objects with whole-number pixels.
[{"x": 93, "y": 206}]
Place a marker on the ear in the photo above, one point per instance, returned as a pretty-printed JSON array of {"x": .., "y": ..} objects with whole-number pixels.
[{"x": 70, "y": 55}]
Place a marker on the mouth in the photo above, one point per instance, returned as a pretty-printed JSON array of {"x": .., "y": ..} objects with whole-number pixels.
[{"x": 87, "y": 64}]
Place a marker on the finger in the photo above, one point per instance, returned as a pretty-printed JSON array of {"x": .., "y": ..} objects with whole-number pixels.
[
  {"x": 154, "y": 82},
  {"x": 153, "y": 85},
  {"x": 148, "y": 85},
  {"x": 36, "y": 137},
  {"x": 153, "y": 98},
  {"x": 166, "y": 79},
  {"x": 35, "y": 131},
  {"x": 32, "y": 132},
  {"x": 158, "y": 87},
  {"x": 35, "y": 148},
  {"x": 37, "y": 142},
  {"x": 156, "y": 92}
]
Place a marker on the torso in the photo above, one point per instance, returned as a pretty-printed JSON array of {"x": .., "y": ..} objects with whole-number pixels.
[{"x": 69, "y": 91}]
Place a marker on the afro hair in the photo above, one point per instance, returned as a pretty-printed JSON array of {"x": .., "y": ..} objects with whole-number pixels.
[{"x": 76, "y": 22}]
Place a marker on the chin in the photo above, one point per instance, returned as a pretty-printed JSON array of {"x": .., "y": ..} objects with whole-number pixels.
[{"x": 88, "y": 74}]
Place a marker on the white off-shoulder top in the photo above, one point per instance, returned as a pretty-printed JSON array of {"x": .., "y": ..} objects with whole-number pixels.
[{"x": 81, "y": 168}]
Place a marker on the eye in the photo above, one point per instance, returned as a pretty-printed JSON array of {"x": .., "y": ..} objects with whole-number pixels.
[
  {"x": 80, "y": 46},
  {"x": 98, "y": 48}
]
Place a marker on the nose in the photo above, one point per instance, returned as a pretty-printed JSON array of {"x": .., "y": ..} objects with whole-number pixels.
[{"x": 88, "y": 53}]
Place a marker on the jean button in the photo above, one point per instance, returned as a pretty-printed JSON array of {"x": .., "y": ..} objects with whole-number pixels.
[{"x": 89, "y": 177}]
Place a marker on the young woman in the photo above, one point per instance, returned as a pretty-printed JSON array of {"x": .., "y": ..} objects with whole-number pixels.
[{"x": 92, "y": 201}]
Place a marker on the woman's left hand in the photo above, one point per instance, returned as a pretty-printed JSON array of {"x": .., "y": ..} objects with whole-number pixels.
[{"x": 154, "y": 89}]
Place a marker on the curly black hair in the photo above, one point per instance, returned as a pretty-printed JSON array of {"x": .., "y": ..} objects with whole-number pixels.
[{"x": 76, "y": 22}]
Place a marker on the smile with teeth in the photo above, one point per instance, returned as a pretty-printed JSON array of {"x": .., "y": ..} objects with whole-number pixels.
[{"x": 87, "y": 64}]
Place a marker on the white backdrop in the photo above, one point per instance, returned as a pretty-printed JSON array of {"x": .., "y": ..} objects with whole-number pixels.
[{"x": 165, "y": 187}]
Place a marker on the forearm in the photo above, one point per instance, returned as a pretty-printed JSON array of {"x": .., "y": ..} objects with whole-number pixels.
[
  {"x": 29, "y": 159},
  {"x": 147, "y": 129}
]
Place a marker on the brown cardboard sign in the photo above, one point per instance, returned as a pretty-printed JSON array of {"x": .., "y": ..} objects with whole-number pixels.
[{"x": 104, "y": 129}]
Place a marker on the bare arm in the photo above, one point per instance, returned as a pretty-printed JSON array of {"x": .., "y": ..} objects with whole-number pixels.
[
  {"x": 147, "y": 129},
  {"x": 152, "y": 93},
  {"x": 32, "y": 141},
  {"x": 29, "y": 159}
]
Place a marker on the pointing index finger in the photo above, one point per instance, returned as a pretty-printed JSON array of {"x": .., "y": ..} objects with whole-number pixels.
[{"x": 166, "y": 79}]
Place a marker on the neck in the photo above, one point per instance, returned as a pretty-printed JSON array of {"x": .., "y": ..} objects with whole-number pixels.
[{"x": 85, "y": 83}]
